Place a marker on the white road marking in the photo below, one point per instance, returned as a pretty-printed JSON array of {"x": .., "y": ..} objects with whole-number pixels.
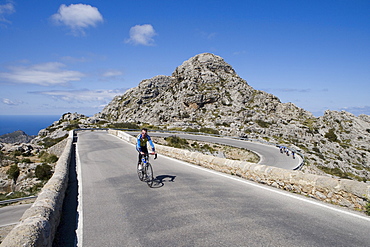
[
  {"x": 10, "y": 224},
  {"x": 265, "y": 187},
  {"x": 79, "y": 231}
]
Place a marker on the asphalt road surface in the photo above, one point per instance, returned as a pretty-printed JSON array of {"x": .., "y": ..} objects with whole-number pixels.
[
  {"x": 10, "y": 215},
  {"x": 193, "y": 206}
]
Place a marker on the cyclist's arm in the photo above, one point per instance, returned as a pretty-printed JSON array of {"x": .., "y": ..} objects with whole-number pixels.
[
  {"x": 138, "y": 142},
  {"x": 151, "y": 143}
]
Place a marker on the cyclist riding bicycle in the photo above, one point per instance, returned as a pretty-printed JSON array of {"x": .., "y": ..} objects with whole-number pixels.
[{"x": 141, "y": 145}]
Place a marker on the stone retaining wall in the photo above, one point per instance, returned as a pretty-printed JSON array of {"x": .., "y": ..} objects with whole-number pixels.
[
  {"x": 344, "y": 192},
  {"x": 58, "y": 148},
  {"x": 39, "y": 223}
]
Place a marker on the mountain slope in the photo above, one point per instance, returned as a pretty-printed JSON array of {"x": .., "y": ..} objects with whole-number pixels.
[
  {"x": 16, "y": 136},
  {"x": 205, "y": 92}
]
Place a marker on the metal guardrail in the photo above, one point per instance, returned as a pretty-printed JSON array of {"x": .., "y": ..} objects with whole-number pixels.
[
  {"x": 299, "y": 167},
  {"x": 16, "y": 200}
]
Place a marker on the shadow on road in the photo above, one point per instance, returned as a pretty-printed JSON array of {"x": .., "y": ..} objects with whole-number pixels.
[{"x": 161, "y": 179}]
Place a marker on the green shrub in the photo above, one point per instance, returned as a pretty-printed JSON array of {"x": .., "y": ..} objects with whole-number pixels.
[
  {"x": 335, "y": 171},
  {"x": 51, "y": 158},
  {"x": 150, "y": 126},
  {"x": 48, "y": 142},
  {"x": 331, "y": 136},
  {"x": 208, "y": 148},
  {"x": 16, "y": 153},
  {"x": 48, "y": 158},
  {"x": 72, "y": 126},
  {"x": 176, "y": 142},
  {"x": 13, "y": 172},
  {"x": 367, "y": 208},
  {"x": 247, "y": 131},
  {"x": 262, "y": 123},
  {"x": 184, "y": 115},
  {"x": 16, "y": 194},
  {"x": 188, "y": 129},
  {"x": 123, "y": 126},
  {"x": 209, "y": 131},
  {"x": 43, "y": 172},
  {"x": 101, "y": 122},
  {"x": 27, "y": 160}
]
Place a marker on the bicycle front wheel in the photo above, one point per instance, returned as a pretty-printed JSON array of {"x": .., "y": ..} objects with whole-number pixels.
[{"x": 149, "y": 175}]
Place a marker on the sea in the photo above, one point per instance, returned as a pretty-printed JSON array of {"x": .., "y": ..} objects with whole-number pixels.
[{"x": 30, "y": 124}]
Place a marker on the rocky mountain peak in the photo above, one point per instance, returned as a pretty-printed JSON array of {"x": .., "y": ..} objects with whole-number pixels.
[
  {"x": 204, "y": 66},
  {"x": 203, "y": 91}
]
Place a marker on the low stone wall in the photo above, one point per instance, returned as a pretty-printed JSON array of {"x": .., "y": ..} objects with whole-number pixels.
[
  {"x": 58, "y": 148},
  {"x": 344, "y": 192},
  {"x": 39, "y": 223}
]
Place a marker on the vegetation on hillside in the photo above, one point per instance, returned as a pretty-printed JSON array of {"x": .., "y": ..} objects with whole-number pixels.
[
  {"x": 22, "y": 168},
  {"x": 209, "y": 148}
]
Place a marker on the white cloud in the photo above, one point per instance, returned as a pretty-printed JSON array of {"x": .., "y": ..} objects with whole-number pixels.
[
  {"x": 44, "y": 74},
  {"x": 236, "y": 53},
  {"x": 69, "y": 59},
  {"x": 357, "y": 110},
  {"x": 77, "y": 17},
  {"x": 207, "y": 35},
  {"x": 142, "y": 35},
  {"x": 6, "y": 9},
  {"x": 11, "y": 102},
  {"x": 112, "y": 73},
  {"x": 83, "y": 95}
]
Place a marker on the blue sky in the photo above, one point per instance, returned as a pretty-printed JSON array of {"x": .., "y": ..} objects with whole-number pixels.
[{"x": 68, "y": 56}]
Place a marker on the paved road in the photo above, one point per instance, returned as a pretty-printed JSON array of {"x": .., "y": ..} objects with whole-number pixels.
[
  {"x": 270, "y": 155},
  {"x": 10, "y": 215},
  {"x": 192, "y": 206}
]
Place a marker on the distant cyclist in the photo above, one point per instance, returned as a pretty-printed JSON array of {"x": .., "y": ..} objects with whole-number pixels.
[{"x": 141, "y": 145}]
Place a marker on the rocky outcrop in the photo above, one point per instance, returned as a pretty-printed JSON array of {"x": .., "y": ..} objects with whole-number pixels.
[
  {"x": 25, "y": 148},
  {"x": 59, "y": 130},
  {"x": 206, "y": 92},
  {"x": 18, "y": 154},
  {"x": 16, "y": 137}
]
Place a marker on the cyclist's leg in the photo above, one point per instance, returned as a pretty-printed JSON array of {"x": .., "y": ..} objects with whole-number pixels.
[
  {"x": 140, "y": 156},
  {"x": 145, "y": 150},
  {"x": 140, "y": 167}
]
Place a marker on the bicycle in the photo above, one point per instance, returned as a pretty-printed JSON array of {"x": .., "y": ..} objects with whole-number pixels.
[{"x": 146, "y": 173}]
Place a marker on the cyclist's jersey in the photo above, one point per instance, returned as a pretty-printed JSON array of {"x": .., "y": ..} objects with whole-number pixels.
[{"x": 142, "y": 142}]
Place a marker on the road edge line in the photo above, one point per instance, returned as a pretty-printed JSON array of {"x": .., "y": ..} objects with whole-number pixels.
[
  {"x": 79, "y": 230},
  {"x": 284, "y": 193}
]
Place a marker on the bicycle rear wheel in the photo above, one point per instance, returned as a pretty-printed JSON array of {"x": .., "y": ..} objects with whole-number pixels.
[
  {"x": 140, "y": 173},
  {"x": 149, "y": 175}
]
